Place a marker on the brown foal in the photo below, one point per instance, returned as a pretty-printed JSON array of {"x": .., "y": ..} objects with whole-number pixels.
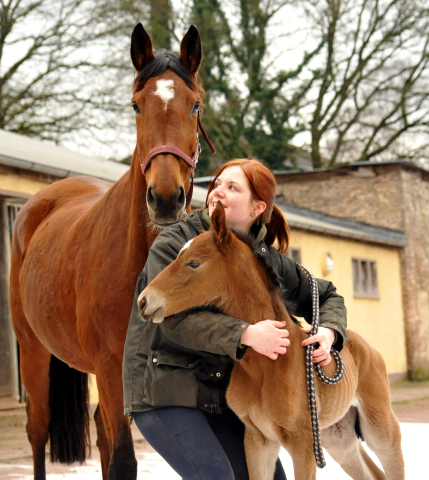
[{"x": 270, "y": 396}]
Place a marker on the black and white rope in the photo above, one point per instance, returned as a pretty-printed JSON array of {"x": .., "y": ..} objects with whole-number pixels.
[{"x": 317, "y": 447}]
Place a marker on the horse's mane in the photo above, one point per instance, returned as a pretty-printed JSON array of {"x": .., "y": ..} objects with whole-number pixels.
[
  {"x": 164, "y": 60},
  {"x": 272, "y": 276}
]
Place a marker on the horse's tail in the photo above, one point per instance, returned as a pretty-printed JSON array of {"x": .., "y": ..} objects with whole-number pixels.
[{"x": 69, "y": 404}]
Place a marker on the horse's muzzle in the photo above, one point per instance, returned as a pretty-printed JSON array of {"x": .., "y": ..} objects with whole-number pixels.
[
  {"x": 151, "y": 306},
  {"x": 165, "y": 210}
]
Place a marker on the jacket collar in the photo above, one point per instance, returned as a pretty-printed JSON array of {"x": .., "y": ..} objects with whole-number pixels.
[{"x": 206, "y": 222}]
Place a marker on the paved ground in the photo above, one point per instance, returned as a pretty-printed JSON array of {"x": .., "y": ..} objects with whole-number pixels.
[{"x": 410, "y": 402}]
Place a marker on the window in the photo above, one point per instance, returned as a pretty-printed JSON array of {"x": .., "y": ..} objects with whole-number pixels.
[
  {"x": 294, "y": 253},
  {"x": 365, "y": 284},
  {"x": 12, "y": 211}
]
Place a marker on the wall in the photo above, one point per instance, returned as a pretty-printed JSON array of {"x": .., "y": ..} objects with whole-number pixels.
[
  {"x": 415, "y": 270},
  {"x": 371, "y": 198},
  {"x": 20, "y": 184},
  {"x": 393, "y": 196},
  {"x": 379, "y": 321}
]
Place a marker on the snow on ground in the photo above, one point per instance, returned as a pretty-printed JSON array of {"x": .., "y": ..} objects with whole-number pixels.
[
  {"x": 414, "y": 447},
  {"x": 152, "y": 467}
]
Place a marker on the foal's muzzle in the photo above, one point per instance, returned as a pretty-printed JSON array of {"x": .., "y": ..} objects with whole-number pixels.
[{"x": 151, "y": 306}]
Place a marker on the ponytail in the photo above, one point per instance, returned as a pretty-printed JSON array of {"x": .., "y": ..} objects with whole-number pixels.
[{"x": 277, "y": 229}]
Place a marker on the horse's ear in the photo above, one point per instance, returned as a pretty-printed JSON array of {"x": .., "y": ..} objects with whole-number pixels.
[
  {"x": 221, "y": 232},
  {"x": 141, "y": 47},
  {"x": 191, "y": 50}
]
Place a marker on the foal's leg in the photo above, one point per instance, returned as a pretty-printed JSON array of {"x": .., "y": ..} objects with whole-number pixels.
[
  {"x": 382, "y": 434},
  {"x": 379, "y": 424},
  {"x": 342, "y": 443},
  {"x": 300, "y": 448},
  {"x": 123, "y": 463},
  {"x": 102, "y": 443},
  {"x": 261, "y": 454}
]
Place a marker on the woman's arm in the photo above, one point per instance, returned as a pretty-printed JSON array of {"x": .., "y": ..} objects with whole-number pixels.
[
  {"x": 333, "y": 313},
  {"x": 202, "y": 330},
  {"x": 206, "y": 330}
]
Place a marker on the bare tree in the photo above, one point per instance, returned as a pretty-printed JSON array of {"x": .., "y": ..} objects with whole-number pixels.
[
  {"x": 372, "y": 99},
  {"x": 249, "y": 102},
  {"x": 160, "y": 25},
  {"x": 62, "y": 65}
]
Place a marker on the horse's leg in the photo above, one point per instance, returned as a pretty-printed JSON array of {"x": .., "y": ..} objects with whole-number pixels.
[
  {"x": 123, "y": 463},
  {"x": 35, "y": 361},
  {"x": 380, "y": 427},
  {"x": 102, "y": 443},
  {"x": 342, "y": 443},
  {"x": 300, "y": 448},
  {"x": 382, "y": 433},
  {"x": 261, "y": 454}
]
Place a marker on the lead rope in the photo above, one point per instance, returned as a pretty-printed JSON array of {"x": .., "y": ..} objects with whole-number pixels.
[{"x": 317, "y": 447}]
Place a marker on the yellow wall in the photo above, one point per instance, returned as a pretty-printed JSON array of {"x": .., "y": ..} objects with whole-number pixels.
[
  {"x": 16, "y": 183},
  {"x": 380, "y": 321}
]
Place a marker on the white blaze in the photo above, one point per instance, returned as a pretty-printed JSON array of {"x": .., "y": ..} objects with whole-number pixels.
[
  {"x": 186, "y": 245},
  {"x": 165, "y": 91}
]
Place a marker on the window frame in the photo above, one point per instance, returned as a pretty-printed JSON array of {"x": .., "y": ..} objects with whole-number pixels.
[{"x": 365, "y": 264}]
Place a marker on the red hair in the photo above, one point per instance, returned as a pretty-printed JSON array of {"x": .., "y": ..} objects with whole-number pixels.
[{"x": 263, "y": 188}]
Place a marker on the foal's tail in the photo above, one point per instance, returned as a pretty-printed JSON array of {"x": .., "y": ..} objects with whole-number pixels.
[{"x": 69, "y": 404}]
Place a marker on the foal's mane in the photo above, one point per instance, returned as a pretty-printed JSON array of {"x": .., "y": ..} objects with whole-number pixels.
[
  {"x": 272, "y": 276},
  {"x": 163, "y": 61}
]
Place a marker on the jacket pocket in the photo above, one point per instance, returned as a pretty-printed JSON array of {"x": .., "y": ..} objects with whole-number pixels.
[{"x": 169, "y": 380}]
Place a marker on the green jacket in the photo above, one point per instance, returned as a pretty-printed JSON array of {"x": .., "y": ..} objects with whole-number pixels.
[{"x": 187, "y": 359}]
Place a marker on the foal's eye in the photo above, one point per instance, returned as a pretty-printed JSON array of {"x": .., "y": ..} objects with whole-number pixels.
[
  {"x": 196, "y": 108},
  {"x": 135, "y": 107},
  {"x": 194, "y": 264}
]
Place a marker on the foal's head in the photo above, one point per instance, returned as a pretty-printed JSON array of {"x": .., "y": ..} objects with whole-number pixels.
[
  {"x": 215, "y": 269},
  {"x": 166, "y": 100}
]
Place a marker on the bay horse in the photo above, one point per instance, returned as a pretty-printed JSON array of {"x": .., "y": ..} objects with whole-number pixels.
[
  {"x": 78, "y": 247},
  {"x": 270, "y": 396}
]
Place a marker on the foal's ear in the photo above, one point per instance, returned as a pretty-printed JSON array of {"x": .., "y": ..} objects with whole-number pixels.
[
  {"x": 221, "y": 232},
  {"x": 141, "y": 47},
  {"x": 190, "y": 49}
]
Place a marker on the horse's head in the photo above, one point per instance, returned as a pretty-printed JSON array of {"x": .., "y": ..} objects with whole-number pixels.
[
  {"x": 214, "y": 269},
  {"x": 167, "y": 100}
]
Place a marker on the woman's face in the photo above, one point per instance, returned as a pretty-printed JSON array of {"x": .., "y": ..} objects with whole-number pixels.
[{"x": 232, "y": 190}]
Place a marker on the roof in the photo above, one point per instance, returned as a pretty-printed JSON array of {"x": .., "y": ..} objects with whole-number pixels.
[
  {"x": 355, "y": 166},
  {"x": 199, "y": 196},
  {"x": 302, "y": 218},
  {"x": 42, "y": 157}
]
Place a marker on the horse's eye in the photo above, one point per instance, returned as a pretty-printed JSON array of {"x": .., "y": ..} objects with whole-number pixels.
[
  {"x": 194, "y": 264},
  {"x": 196, "y": 108},
  {"x": 135, "y": 107}
]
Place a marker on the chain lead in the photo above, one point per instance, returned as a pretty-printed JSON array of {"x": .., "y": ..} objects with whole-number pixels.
[{"x": 317, "y": 447}]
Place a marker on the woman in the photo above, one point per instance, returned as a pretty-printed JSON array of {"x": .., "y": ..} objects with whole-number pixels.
[{"x": 176, "y": 373}]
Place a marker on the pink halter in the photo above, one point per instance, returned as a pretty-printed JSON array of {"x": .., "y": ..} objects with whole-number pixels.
[{"x": 192, "y": 162}]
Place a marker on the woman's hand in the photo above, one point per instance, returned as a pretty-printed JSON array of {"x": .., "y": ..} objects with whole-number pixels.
[
  {"x": 325, "y": 337},
  {"x": 267, "y": 337}
]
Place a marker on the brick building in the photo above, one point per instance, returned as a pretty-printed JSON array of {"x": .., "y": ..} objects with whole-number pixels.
[{"x": 393, "y": 195}]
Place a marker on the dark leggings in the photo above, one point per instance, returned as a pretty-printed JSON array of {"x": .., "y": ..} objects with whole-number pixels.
[{"x": 199, "y": 445}]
